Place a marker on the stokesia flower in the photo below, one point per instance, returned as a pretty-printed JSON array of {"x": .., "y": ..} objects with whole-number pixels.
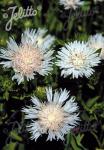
[
  {"x": 77, "y": 58},
  {"x": 56, "y": 117},
  {"x": 97, "y": 42},
  {"x": 71, "y": 3},
  {"x": 39, "y": 37},
  {"x": 29, "y": 58}
]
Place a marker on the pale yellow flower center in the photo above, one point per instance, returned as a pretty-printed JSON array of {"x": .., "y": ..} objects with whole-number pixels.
[
  {"x": 51, "y": 117},
  {"x": 70, "y": 2},
  {"x": 27, "y": 60},
  {"x": 78, "y": 60}
]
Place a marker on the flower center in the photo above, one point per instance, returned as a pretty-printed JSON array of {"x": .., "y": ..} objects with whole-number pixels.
[
  {"x": 78, "y": 60},
  {"x": 27, "y": 60},
  {"x": 51, "y": 117},
  {"x": 71, "y": 2}
]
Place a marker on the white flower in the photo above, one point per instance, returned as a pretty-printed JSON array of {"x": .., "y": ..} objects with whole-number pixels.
[
  {"x": 77, "y": 59},
  {"x": 39, "y": 37},
  {"x": 28, "y": 58},
  {"x": 71, "y": 3},
  {"x": 97, "y": 42},
  {"x": 56, "y": 117}
]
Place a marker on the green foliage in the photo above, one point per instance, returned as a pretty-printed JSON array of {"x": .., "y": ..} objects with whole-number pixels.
[
  {"x": 14, "y": 135},
  {"x": 10, "y": 146},
  {"x": 74, "y": 142}
]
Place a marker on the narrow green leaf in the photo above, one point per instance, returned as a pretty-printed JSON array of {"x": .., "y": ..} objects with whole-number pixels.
[{"x": 15, "y": 136}]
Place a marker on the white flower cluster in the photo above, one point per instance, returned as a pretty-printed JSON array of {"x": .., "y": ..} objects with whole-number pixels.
[{"x": 34, "y": 55}]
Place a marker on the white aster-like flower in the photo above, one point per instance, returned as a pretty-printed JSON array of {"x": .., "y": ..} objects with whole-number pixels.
[
  {"x": 77, "y": 58},
  {"x": 56, "y": 117},
  {"x": 30, "y": 57},
  {"x": 97, "y": 42},
  {"x": 39, "y": 37},
  {"x": 68, "y": 4}
]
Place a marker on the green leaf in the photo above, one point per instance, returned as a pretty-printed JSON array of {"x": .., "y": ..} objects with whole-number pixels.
[
  {"x": 86, "y": 6},
  {"x": 21, "y": 147},
  {"x": 79, "y": 138},
  {"x": 60, "y": 42},
  {"x": 91, "y": 86},
  {"x": 74, "y": 142},
  {"x": 15, "y": 136},
  {"x": 6, "y": 95},
  {"x": 10, "y": 146},
  {"x": 92, "y": 101}
]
